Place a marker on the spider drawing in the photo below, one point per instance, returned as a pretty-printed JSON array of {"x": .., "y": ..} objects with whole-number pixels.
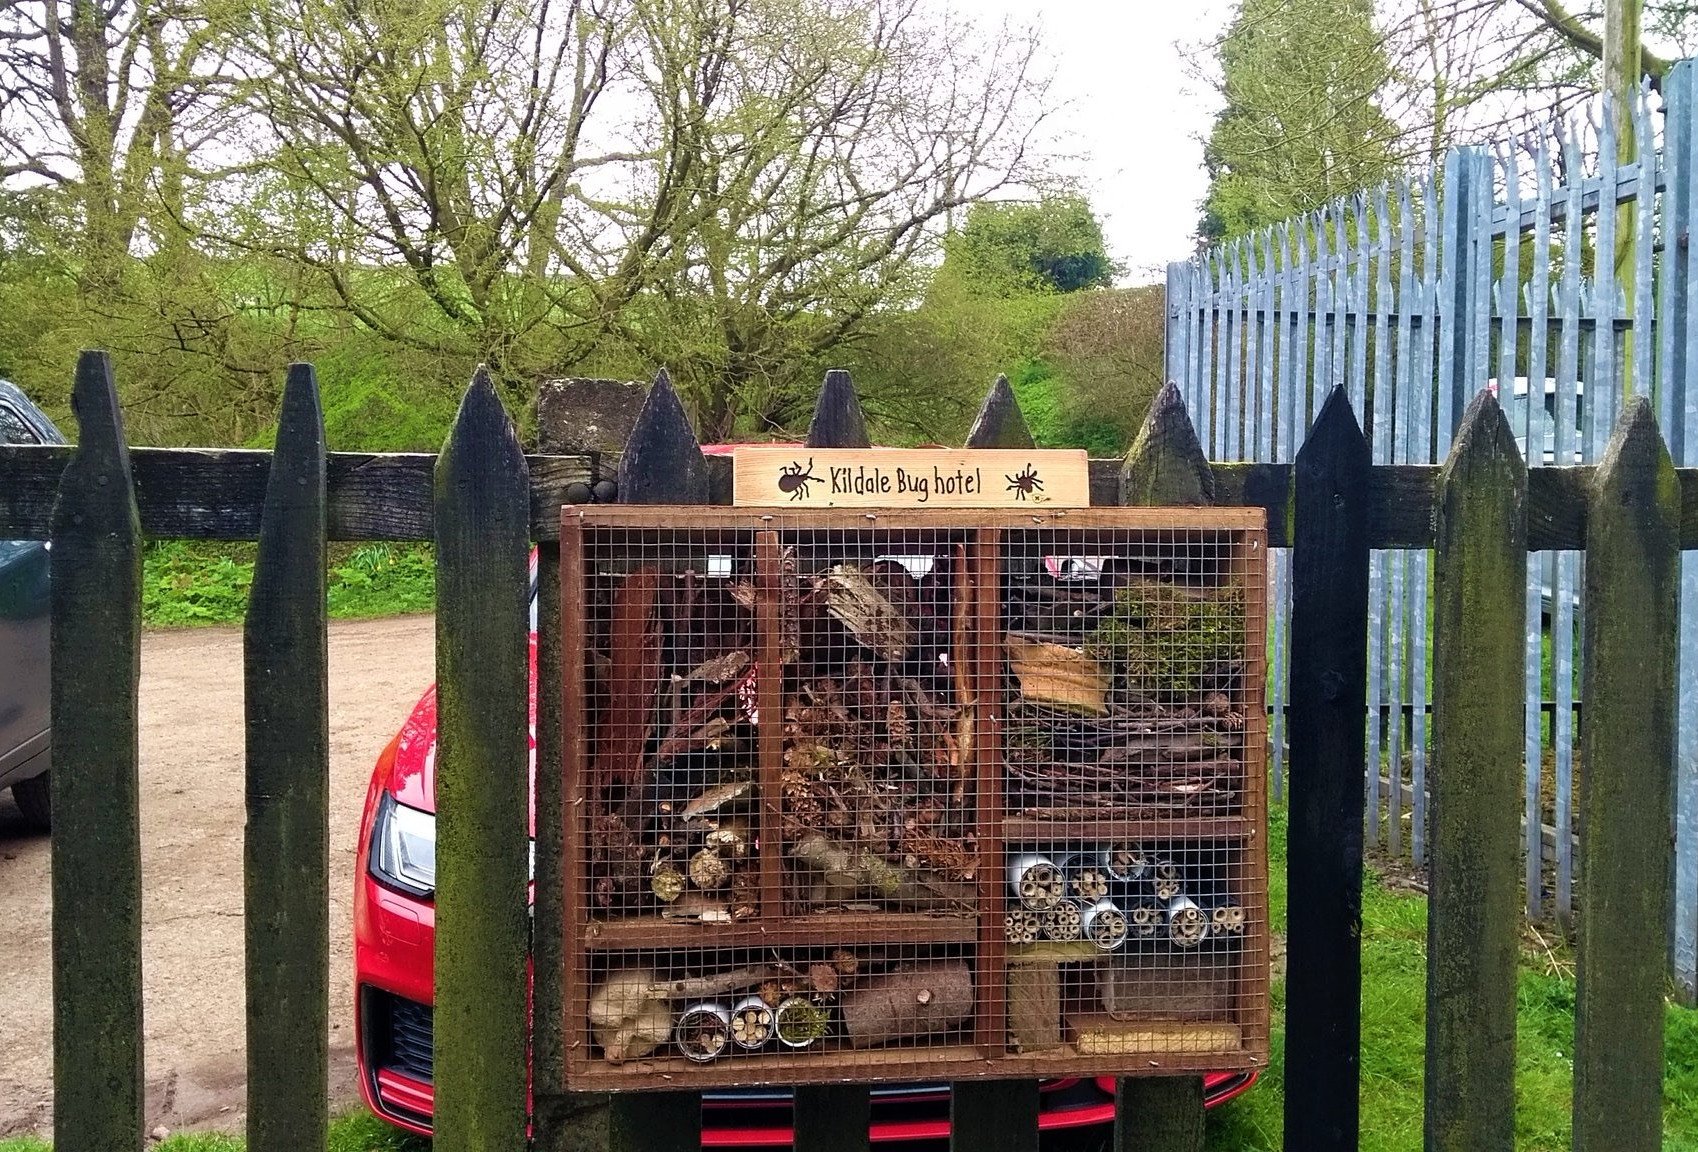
[
  {"x": 794, "y": 479},
  {"x": 1025, "y": 483}
]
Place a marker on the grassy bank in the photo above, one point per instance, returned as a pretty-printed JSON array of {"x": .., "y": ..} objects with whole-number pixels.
[
  {"x": 1394, "y": 958},
  {"x": 189, "y": 583}
]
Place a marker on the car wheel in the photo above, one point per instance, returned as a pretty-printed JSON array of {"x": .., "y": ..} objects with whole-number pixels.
[{"x": 35, "y": 799}]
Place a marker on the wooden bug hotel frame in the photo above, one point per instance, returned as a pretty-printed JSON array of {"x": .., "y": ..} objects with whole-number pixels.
[{"x": 900, "y": 794}]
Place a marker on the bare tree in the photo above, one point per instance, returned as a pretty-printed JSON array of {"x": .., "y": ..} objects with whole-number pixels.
[{"x": 729, "y": 185}]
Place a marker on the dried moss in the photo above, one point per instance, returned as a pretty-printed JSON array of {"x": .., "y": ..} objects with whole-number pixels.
[{"x": 1167, "y": 641}]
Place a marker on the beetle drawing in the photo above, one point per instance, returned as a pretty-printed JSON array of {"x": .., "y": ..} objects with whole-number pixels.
[
  {"x": 1025, "y": 483},
  {"x": 794, "y": 479}
]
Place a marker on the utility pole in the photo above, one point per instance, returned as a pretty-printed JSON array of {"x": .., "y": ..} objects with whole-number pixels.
[{"x": 1623, "y": 71}]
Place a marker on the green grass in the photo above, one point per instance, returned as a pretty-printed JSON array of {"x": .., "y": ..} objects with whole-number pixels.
[
  {"x": 1394, "y": 982},
  {"x": 355, "y": 1132},
  {"x": 1394, "y": 959},
  {"x": 186, "y": 583}
]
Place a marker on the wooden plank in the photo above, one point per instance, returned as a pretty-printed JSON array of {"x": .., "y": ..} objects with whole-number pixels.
[
  {"x": 1329, "y": 627},
  {"x": 813, "y": 478},
  {"x": 994, "y": 1115},
  {"x": 832, "y": 1117},
  {"x": 1165, "y": 465},
  {"x": 769, "y": 696},
  {"x": 662, "y": 464},
  {"x": 482, "y": 925},
  {"x": 1001, "y": 1116},
  {"x": 1626, "y": 791},
  {"x": 286, "y": 862},
  {"x": 1473, "y": 924},
  {"x": 95, "y": 569},
  {"x": 1152, "y": 1115},
  {"x": 808, "y": 930},
  {"x": 218, "y": 494}
]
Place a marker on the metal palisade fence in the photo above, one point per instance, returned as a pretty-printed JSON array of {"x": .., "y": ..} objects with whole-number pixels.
[{"x": 1549, "y": 270}]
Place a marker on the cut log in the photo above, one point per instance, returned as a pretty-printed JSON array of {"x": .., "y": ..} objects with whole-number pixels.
[
  {"x": 1054, "y": 674},
  {"x": 1034, "y": 1007},
  {"x": 910, "y": 1003}
]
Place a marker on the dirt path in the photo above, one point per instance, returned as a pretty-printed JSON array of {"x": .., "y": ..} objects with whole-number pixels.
[{"x": 191, "y": 780}]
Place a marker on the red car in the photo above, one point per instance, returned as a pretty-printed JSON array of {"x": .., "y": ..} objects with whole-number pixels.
[{"x": 394, "y": 937}]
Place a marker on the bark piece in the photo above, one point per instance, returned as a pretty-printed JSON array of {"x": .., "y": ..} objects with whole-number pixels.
[
  {"x": 1055, "y": 674},
  {"x": 924, "y": 1000},
  {"x": 869, "y": 617}
]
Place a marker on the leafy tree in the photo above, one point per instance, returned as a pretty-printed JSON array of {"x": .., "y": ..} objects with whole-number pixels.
[
  {"x": 1051, "y": 245},
  {"x": 1301, "y": 122}
]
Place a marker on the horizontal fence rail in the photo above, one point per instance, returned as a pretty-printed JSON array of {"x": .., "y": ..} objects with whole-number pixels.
[{"x": 397, "y": 506}]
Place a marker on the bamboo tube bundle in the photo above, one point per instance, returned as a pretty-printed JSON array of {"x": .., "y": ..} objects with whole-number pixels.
[
  {"x": 751, "y": 1023},
  {"x": 1187, "y": 923},
  {"x": 1037, "y": 882},
  {"x": 1062, "y": 922},
  {"x": 1105, "y": 925},
  {"x": 1146, "y": 920},
  {"x": 1228, "y": 920},
  {"x": 1168, "y": 881},
  {"x": 1022, "y": 926},
  {"x": 703, "y": 1031},
  {"x": 1087, "y": 878}
]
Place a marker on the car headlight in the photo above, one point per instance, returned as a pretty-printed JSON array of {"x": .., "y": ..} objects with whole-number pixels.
[{"x": 403, "y": 847}]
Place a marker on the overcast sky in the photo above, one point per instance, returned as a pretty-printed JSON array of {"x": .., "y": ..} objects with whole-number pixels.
[{"x": 1134, "y": 116}]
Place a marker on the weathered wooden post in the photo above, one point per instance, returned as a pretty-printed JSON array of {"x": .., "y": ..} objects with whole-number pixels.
[
  {"x": 97, "y": 889},
  {"x": 835, "y": 1117},
  {"x": 995, "y": 1115},
  {"x": 1627, "y": 788},
  {"x": 482, "y": 574},
  {"x": 662, "y": 464},
  {"x": 1473, "y": 923},
  {"x": 1165, "y": 465},
  {"x": 1328, "y": 725},
  {"x": 286, "y": 849}
]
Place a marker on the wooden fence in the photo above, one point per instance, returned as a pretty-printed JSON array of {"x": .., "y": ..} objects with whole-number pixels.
[
  {"x": 484, "y": 503},
  {"x": 1477, "y": 273}
]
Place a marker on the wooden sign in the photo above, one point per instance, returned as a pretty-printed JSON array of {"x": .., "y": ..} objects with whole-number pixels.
[{"x": 910, "y": 478}]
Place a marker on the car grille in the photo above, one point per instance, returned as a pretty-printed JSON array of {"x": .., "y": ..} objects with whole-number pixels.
[{"x": 400, "y": 1035}]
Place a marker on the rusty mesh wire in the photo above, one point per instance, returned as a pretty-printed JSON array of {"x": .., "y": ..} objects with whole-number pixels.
[{"x": 894, "y": 795}]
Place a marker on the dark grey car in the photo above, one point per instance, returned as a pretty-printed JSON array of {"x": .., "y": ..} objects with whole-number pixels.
[{"x": 24, "y": 736}]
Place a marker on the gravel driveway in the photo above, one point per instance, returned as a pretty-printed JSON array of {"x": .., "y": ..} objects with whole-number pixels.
[{"x": 191, "y": 787}]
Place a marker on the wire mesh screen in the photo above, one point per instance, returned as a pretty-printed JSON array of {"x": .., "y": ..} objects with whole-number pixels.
[{"x": 898, "y": 795}]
